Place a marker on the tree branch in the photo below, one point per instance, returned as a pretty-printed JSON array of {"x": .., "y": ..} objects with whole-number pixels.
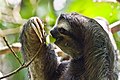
[
  {"x": 12, "y": 51},
  {"x": 23, "y": 66},
  {"x": 115, "y": 27},
  {"x": 6, "y": 50}
]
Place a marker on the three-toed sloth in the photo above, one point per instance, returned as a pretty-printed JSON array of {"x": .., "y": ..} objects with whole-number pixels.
[{"x": 85, "y": 40}]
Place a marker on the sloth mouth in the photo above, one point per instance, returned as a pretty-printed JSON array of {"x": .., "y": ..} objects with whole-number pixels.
[
  {"x": 58, "y": 39},
  {"x": 56, "y": 35}
]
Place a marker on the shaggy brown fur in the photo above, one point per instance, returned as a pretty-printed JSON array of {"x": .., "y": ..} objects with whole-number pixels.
[
  {"x": 88, "y": 44},
  {"x": 80, "y": 37}
]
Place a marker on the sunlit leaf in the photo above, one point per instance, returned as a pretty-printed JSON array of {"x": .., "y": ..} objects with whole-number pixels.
[
  {"x": 92, "y": 9},
  {"x": 27, "y": 9}
]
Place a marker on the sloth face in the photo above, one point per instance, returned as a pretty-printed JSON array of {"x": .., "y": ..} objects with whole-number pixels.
[
  {"x": 69, "y": 33},
  {"x": 78, "y": 36},
  {"x": 74, "y": 33}
]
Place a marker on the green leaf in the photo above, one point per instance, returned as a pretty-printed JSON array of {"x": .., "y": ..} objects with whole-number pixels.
[
  {"x": 27, "y": 9},
  {"x": 12, "y": 64},
  {"x": 92, "y": 9},
  {"x": 117, "y": 39}
]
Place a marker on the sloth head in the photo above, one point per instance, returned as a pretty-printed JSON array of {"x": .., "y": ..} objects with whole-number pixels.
[{"x": 73, "y": 32}]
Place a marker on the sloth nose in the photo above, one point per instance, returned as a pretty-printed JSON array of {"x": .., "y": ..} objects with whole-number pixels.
[{"x": 54, "y": 32}]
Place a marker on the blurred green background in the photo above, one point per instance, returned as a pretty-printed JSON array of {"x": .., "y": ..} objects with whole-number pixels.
[{"x": 14, "y": 13}]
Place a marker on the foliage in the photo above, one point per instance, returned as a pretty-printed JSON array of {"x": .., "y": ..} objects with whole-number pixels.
[
  {"x": 13, "y": 63},
  {"x": 92, "y": 9},
  {"x": 46, "y": 10}
]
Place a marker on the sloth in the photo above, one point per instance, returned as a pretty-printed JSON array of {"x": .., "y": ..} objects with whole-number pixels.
[{"x": 85, "y": 40}]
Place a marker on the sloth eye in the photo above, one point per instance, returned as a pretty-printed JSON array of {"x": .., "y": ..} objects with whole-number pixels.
[{"x": 62, "y": 30}]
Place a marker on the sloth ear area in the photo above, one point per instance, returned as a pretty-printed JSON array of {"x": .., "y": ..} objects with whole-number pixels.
[{"x": 93, "y": 21}]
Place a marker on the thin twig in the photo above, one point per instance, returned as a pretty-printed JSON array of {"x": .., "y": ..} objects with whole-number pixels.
[
  {"x": 23, "y": 66},
  {"x": 6, "y": 50},
  {"x": 29, "y": 62},
  {"x": 12, "y": 51},
  {"x": 115, "y": 27}
]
